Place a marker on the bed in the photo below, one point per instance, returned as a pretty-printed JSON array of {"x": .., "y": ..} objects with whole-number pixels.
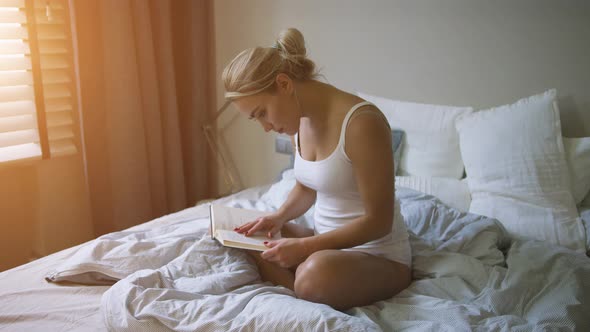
[{"x": 469, "y": 273}]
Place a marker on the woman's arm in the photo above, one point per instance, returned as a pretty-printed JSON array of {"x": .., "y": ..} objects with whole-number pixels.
[{"x": 300, "y": 199}]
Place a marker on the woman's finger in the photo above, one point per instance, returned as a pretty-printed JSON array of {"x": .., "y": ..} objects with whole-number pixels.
[
  {"x": 272, "y": 231},
  {"x": 261, "y": 225},
  {"x": 245, "y": 227},
  {"x": 267, "y": 254},
  {"x": 275, "y": 229},
  {"x": 271, "y": 252}
]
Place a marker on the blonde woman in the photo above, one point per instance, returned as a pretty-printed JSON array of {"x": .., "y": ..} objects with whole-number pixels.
[{"x": 359, "y": 251}]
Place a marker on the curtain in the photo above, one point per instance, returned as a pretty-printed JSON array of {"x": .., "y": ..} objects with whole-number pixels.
[{"x": 145, "y": 92}]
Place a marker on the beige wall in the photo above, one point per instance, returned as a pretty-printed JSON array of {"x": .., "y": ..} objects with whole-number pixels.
[
  {"x": 18, "y": 216},
  {"x": 457, "y": 52},
  {"x": 43, "y": 208}
]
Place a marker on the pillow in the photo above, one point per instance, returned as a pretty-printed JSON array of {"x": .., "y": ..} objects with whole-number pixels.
[
  {"x": 452, "y": 192},
  {"x": 431, "y": 146},
  {"x": 397, "y": 137},
  {"x": 517, "y": 172},
  {"x": 577, "y": 152}
]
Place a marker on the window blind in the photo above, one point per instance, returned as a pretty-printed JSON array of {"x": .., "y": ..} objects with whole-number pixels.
[{"x": 37, "y": 99}]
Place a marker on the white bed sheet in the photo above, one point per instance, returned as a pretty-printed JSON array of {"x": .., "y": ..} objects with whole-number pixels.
[
  {"x": 585, "y": 216},
  {"x": 29, "y": 303},
  {"x": 468, "y": 276}
]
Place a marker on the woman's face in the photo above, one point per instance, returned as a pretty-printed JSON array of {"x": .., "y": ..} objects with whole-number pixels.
[{"x": 278, "y": 111}]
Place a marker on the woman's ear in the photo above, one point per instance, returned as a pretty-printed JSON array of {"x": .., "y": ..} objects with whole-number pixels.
[{"x": 284, "y": 83}]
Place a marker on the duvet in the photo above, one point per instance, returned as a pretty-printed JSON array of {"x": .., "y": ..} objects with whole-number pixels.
[{"x": 468, "y": 275}]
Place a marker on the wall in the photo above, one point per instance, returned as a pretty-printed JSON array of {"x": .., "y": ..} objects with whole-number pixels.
[
  {"x": 17, "y": 216},
  {"x": 43, "y": 208},
  {"x": 456, "y": 52}
]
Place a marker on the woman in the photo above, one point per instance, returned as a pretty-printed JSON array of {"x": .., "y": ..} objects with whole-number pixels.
[{"x": 359, "y": 252}]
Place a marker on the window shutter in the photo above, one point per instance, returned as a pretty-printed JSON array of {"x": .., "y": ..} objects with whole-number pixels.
[
  {"x": 19, "y": 136},
  {"x": 37, "y": 90},
  {"x": 58, "y": 75}
]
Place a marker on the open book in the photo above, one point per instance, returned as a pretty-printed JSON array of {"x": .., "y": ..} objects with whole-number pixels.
[{"x": 224, "y": 219}]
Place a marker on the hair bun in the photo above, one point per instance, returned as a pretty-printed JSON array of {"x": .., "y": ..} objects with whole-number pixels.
[
  {"x": 291, "y": 42},
  {"x": 254, "y": 70}
]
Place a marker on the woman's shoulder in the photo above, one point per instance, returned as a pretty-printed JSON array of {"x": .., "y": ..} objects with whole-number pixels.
[
  {"x": 367, "y": 120},
  {"x": 366, "y": 117},
  {"x": 344, "y": 102},
  {"x": 365, "y": 113},
  {"x": 367, "y": 136}
]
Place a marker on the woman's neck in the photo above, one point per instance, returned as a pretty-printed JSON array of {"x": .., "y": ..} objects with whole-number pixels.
[{"x": 315, "y": 99}]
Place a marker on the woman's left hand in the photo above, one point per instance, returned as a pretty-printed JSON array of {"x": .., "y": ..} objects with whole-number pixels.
[{"x": 286, "y": 252}]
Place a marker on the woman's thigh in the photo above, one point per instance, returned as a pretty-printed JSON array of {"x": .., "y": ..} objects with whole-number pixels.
[
  {"x": 345, "y": 279},
  {"x": 295, "y": 230}
]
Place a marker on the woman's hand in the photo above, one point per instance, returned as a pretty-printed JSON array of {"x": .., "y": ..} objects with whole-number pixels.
[
  {"x": 286, "y": 252},
  {"x": 270, "y": 224}
]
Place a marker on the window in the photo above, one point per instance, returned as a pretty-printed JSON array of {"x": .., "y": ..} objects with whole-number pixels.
[{"x": 37, "y": 85}]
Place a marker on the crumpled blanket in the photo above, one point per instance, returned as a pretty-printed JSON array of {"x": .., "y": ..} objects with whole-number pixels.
[{"x": 468, "y": 276}]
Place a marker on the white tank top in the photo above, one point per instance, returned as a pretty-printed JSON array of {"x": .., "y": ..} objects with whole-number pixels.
[{"x": 338, "y": 200}]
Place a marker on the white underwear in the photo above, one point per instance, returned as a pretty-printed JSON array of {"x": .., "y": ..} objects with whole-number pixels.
[{"x": 399, "y": 251}]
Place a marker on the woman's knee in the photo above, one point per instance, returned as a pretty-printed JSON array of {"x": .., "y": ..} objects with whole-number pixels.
[{"x": 315, "y": 277}]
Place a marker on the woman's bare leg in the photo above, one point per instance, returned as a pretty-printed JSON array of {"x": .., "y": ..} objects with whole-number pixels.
[
  {"x": 341, "y": 279},
  {"x": 274, "y": 273},
  {"x": 346, "y": 279}
]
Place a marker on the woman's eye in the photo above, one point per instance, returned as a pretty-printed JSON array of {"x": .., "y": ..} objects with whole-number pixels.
[{"x": 257, "y": 116}]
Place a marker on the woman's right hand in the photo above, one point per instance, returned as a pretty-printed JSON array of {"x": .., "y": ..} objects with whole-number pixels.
[{"x": 270, "y": 224}]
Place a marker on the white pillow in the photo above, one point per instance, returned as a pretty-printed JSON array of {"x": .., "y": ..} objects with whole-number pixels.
[
  {"x": 578, "y": 158},
  {"x": 517, "y": 172},
  {"x": 452, "y": 192},
  {"x": 431, "y": 145}
]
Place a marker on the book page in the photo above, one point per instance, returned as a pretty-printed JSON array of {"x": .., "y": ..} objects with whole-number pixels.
[
  {"x": 223, "y": 221},
  {"x": 228, "y": 218},
  {"x": 231, "y": 236}
]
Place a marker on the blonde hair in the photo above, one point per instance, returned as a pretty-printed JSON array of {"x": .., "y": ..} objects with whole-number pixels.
[{"x": 254, "y": 70}]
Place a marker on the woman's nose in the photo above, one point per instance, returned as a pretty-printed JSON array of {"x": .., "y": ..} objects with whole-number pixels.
[{"x": 267, "y": 126}]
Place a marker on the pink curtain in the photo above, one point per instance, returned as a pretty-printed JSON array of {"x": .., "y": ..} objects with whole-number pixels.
[{"x": 145, "y": 85}]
